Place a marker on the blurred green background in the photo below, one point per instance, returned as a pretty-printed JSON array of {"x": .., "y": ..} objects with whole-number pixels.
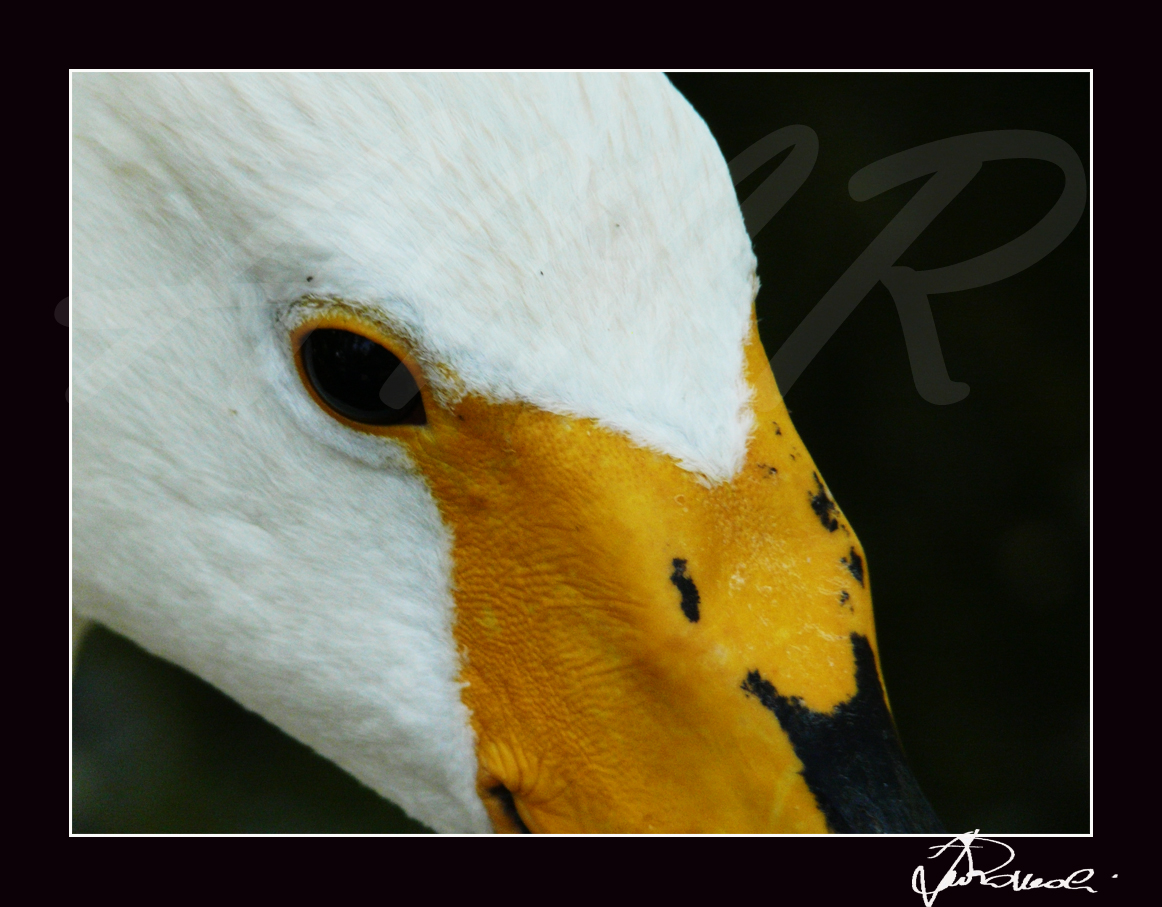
[{"x": 974, "y": 516}]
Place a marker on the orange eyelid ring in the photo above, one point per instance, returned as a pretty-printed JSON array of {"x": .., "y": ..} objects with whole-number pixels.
[{"x": 341, "y": 319}]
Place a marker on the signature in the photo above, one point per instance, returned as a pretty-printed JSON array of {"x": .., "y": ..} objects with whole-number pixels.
[{"x": 993, "y": 877}]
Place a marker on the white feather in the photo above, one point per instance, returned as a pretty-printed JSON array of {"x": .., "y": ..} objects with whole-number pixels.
[{"x": 571, "y": 242}]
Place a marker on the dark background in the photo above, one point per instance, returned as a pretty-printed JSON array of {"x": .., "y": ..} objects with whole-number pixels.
[{"x": 974, "y": 516}]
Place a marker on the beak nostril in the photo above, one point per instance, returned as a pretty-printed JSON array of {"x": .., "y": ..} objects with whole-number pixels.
[{"x": 690, "y": 598}]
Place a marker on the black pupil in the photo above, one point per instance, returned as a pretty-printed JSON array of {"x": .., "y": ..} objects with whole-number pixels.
[{"x": 360, "y": 379}]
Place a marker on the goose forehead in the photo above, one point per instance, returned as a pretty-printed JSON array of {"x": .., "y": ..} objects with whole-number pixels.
[{"x": 573, "y": 242}]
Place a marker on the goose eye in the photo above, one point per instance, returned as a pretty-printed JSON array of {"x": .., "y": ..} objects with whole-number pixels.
[{"x": 360, "y": 379}]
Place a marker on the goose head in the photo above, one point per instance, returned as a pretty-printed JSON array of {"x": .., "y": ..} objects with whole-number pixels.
[{"x": 427, "y": 417}]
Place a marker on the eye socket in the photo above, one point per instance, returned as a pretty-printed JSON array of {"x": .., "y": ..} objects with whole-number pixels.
[{"x": 360, "y": 379}]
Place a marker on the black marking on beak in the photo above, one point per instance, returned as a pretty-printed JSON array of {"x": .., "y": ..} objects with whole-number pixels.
[
  {"x": 852, "y": 760},
  {"x": 844, "y": 596},
  {"x": 854, "y": 563},
  {"x": 690, "y": 597},
  {"x": 823, "y": 506},
  {"x": 508, "y": 804}
]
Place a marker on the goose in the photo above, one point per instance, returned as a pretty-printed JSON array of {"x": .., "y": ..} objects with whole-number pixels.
[{"x": 426, "y": 416}]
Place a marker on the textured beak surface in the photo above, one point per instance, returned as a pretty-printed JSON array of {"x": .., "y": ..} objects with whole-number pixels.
[{"x": 646, "y": 652}]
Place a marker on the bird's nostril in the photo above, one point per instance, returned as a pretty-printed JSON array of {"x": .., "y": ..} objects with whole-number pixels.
[{"x": 690, "y": 598}]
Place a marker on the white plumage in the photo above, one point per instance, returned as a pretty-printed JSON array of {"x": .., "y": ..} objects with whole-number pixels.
[{"x": 571, "y": 242}]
